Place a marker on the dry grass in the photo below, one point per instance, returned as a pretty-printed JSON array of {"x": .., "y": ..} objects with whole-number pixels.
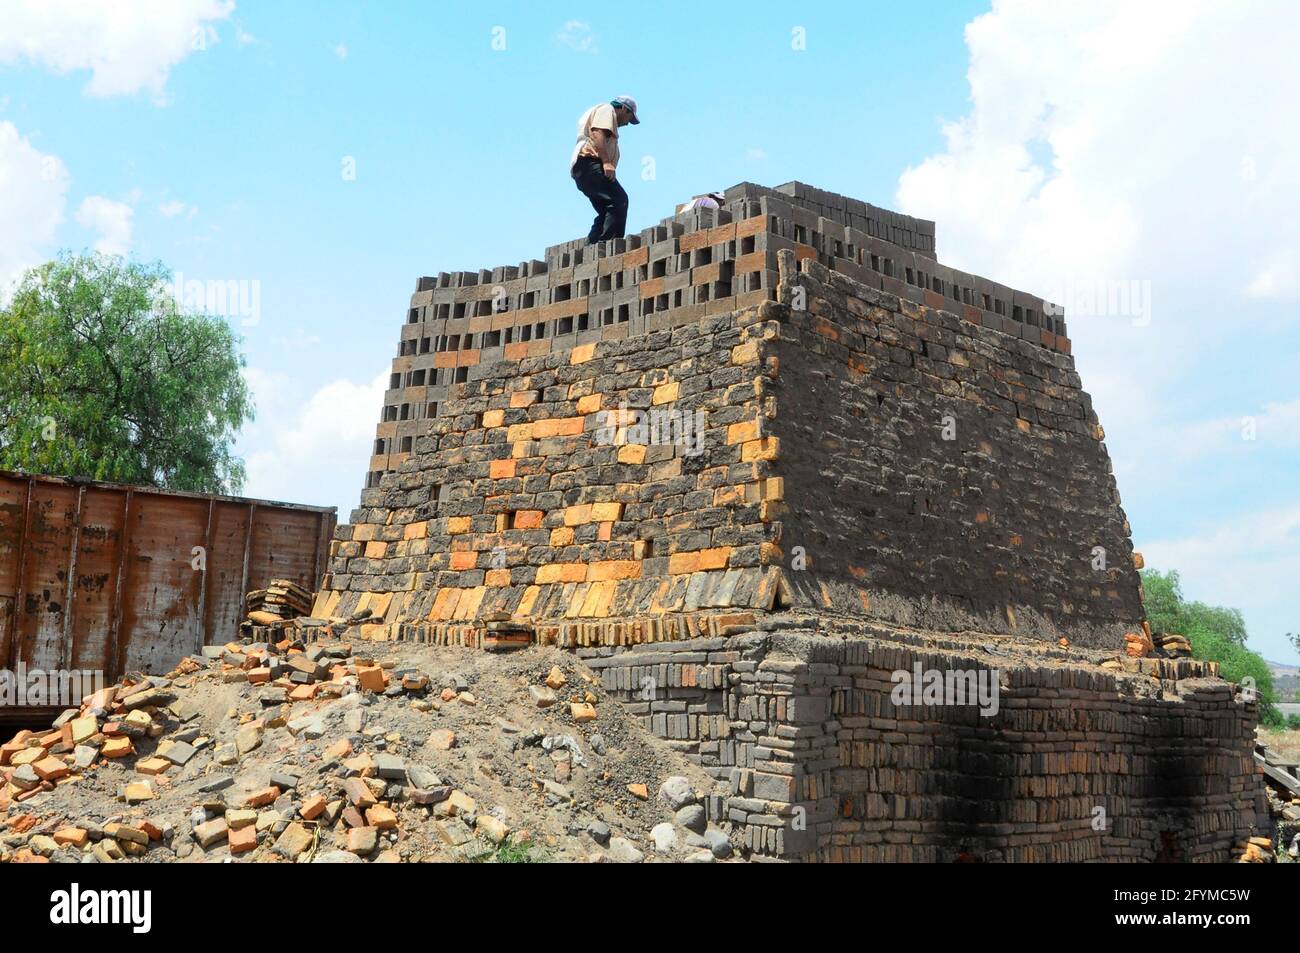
[{"x": 1284, "y": 741}]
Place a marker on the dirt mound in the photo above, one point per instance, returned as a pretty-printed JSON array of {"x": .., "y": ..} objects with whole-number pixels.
[{"x": 393, "y": 753}]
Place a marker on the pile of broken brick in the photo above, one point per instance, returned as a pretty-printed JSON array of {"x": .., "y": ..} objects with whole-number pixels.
[
  {"x": 1146, "y": 644},
  {"x": 346, "y": 809},
  {"x": 282, "y": 599},
  {"x": 110, "y": 722}
]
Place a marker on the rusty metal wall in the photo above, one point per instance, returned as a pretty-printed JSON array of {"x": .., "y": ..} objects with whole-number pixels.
[{"x": 100, "y": 576}]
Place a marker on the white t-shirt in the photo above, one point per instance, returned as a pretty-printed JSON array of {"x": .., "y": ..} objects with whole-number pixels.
[{"x": 600, "y": 116}]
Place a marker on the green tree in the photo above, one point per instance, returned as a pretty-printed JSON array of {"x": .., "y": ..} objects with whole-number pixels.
[
  {"x": 1217, "y": 634},
  {"x": 102, "y": 376}
]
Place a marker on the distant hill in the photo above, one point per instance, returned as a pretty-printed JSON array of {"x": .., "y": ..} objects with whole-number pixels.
[{"x": 1286, "y": 681}]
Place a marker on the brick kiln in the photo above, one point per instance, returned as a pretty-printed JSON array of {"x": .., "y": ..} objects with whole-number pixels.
[{"x": 770, "y": 468}]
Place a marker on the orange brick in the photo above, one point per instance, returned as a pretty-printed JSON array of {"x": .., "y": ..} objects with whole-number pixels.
[
  {"x": 744, "y": 353},
  {"x": 381, "y": 817},
  {"x": 51, "y": 769},
  {"x": 705, "y": 274},
  {"x": 313, "y": 807},
  {"x": 242, "y": 839},
  {"x": 262, "y": 797},
  {"x": 464, "y": 560},
  {"x": 631, "y": 453},
  {"x": 445, "y": 604},
  {"x": 71, "y": 836},
  {"x": 303, "y": 693},
  {"x": 523, "y": 398},
  {"x": 648, "y": 289},
  {"x": 743, "y": 432},
  {"x": 457, "y": 524},
  {"x": 589, "y": 404},
  {"x": 371, "y": 677},
  {"x": 613, "y": 569},
  {"x": 502, "y": 469},
  {"x": 117, "y": 748},
  {"x": 724, "y": 495},
  {"x": 577, "y": 514},
  {"x": 517, "y": 432},
  {"x": 693, "y": 240},
  {"x": 562, "y": 536},
  {"x": 562, "y": 572},
  {"x": 376, "y": 550},
  {"x": 582, "y": 354},
  {"x": 606, "y": 511},
  {"x": 679, "y": 563},
  {"x": 558, "y": 427},
  {"x": 765, "y": 448},
  {"x": 416, "y": 530},
  {"x": 530, "y": 599},
  {"x": 715, "y": 558},
  {"x": 493, "y": 418},
  {"x": 666, "y": 393},
  {"x": 498, "y": 577},
  {"x": 528, "y": 519}
]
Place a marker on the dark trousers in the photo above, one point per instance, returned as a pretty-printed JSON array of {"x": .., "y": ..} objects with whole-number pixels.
[{"x": 607, "y": 198}]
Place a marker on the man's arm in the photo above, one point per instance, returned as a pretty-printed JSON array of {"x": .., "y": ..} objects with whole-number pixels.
[{"x": 600, "y": 139}]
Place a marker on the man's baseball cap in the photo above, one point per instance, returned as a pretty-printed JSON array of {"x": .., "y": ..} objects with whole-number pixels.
[{"x": 630, "y": 104}]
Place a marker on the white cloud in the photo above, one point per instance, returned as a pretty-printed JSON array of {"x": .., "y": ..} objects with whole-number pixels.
[
  {"x": 578, "y": 36},
  {"x": 33, "y": 196},
  {"x": 1277, "y": 276},
  {"x": 1274, "y": 426},
  {"x": 755, "y": 154},
  {"x": 1101, "y": 143},
  {"x": 127, "y": 46},
  {"x": 112, "y": 220},
  {"x": 176, "y": 207},
  {"x": 341, "y": 50},
  {"x": 312, "y": 450}
]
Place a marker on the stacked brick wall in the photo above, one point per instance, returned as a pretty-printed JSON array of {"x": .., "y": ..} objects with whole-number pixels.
[
  {"x": 685, "y": 268},
  {"x": 1139, "y": 761},
  {"x": 538, "y": 490},
  {"x": 751, "y": 584},
  {"x": 823, "y": 477},
  {"x": 941, "y": 473}
]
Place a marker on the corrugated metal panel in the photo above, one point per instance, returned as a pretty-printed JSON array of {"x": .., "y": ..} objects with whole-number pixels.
[{"x": 96, "y": 576}]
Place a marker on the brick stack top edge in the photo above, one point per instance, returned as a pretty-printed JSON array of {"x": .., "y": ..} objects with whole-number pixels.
[{"x": 690, "y": 265}]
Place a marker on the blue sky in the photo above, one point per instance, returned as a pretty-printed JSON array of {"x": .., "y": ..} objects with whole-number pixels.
[{"x": 1059, "y": 150}]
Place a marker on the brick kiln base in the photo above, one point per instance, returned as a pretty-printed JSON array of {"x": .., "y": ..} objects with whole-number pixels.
[{"x": 1079, "y": 763}]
